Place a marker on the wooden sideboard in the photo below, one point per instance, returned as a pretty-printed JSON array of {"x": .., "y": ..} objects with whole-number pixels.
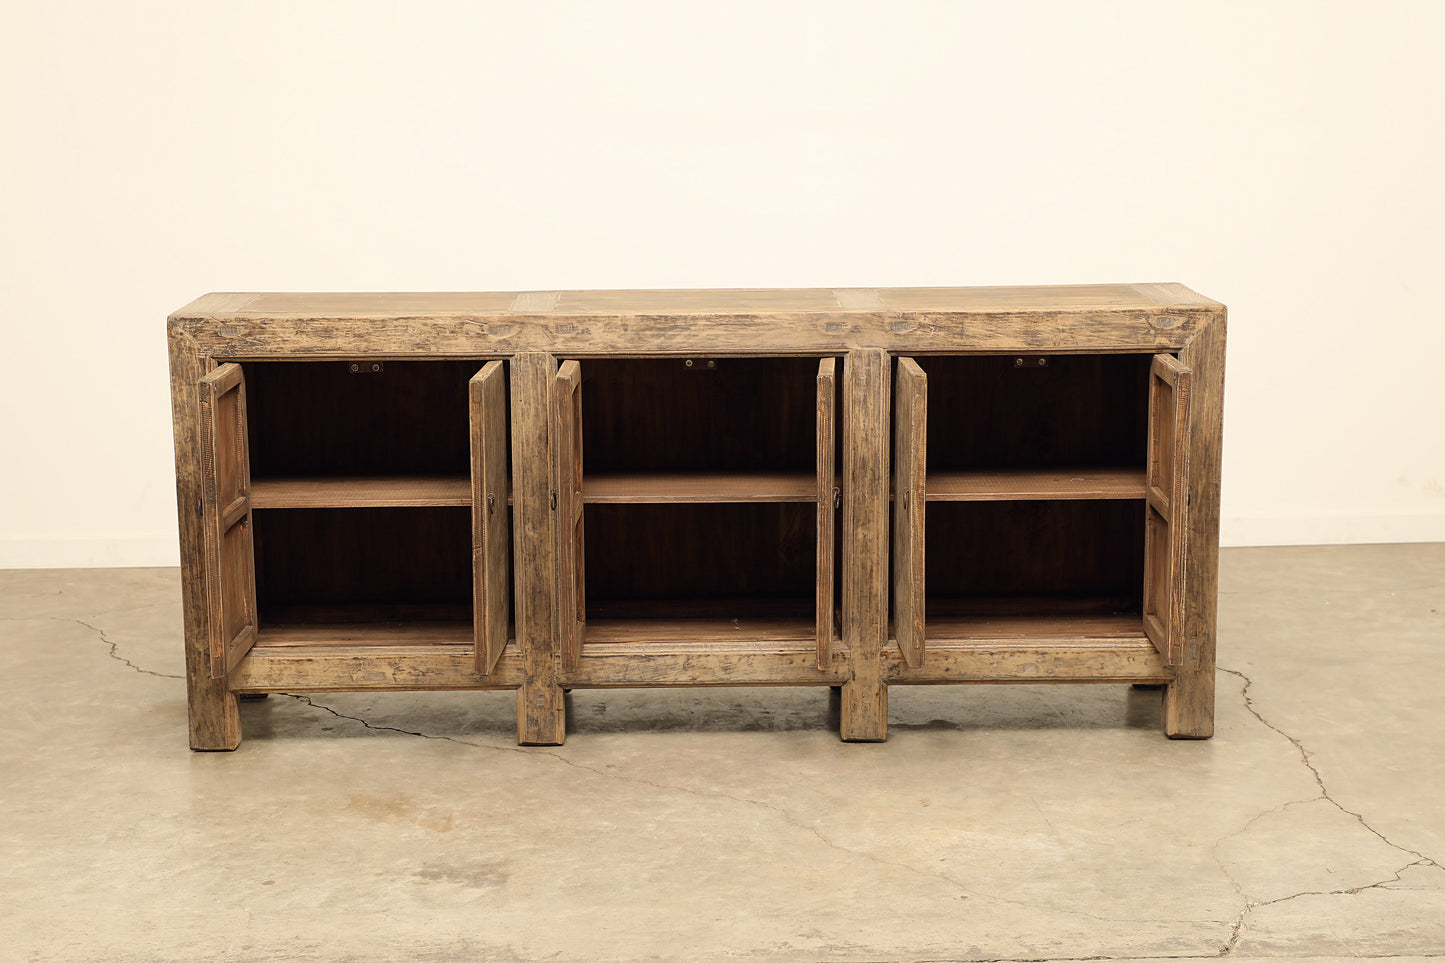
[{"x": 853, "y": 488}]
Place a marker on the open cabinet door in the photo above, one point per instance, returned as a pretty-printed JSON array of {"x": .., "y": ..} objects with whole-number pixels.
[
  {"x": 910, "y": 456},
  {"x": 827, "y": 503},
  {"x": 1166, "y": 522},
  {"x": 226, "y": 518},
  {"x": 491, "y": 532},
  {"x": 571, "y": 583}
]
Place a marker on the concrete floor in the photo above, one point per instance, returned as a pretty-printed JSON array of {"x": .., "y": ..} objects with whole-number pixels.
[{"x": 1036, "y": 822}]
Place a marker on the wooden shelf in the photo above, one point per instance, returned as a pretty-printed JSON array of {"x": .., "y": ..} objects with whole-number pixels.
[
  {"x": 1033, "y": 618},
  {"x": 694, "y": 487},
  {"x": 396, "y": 491},
  {"x": 711, "y": 631},
  {"x": 1052, "y": 484},
  {"x": 364, "y": 633},
  {"x": 403, "y": 491}
]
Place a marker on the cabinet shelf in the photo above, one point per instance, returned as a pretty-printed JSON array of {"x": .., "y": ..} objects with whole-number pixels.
[
  {"x": 390, "y": 491},
  {"x": 1039, "y": 619},
  {"x": 698, "y": 487},
  {"x": 1052, "y": 484},
  {"x": 775, "y": 629},
  {"x": 364, "y": 633}
]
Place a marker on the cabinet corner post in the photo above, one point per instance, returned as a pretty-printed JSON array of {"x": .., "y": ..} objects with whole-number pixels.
[
  {"x": 213, "y": 717},
  {"x": 1189, "y": 698}
]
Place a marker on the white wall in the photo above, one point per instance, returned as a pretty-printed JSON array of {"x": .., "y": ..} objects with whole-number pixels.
[{"x": 1283, "y": 157}]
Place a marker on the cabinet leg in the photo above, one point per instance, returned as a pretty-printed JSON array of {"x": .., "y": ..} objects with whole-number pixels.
[
  {"x": 215, "y": 721},
  {"x": 1189, "y": 704},
  {"x": 865, "y": 712},
  {"x": 541, "y": 715}
]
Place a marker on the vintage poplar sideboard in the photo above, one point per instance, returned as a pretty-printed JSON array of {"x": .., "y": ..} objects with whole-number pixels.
[{"x": 550, "y": 490}]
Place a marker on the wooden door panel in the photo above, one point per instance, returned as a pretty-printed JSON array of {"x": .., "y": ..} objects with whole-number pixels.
[
  {"x": 491, "y": 523},
  {"x": 227, "y": 530},
  {"x": 1166, "y": 524},
  {"x": 571, "y": 576},
  {"x": 910, "y": 443},
  {"x": 827, "y": 504}
]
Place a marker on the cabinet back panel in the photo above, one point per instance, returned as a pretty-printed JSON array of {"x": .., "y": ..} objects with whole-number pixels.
[
  {"x": 318, "y": 418},
  {"x": 986, "y": 412},
  {"x": 363, "y": 556},
  {"x": 1057, "y": 548},
  {"x": 660, "y": 415},
  {"x": 701, "y": 551}
]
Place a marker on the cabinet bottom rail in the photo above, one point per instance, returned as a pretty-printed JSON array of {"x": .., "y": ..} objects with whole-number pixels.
[{"x": 434, "y": 666}]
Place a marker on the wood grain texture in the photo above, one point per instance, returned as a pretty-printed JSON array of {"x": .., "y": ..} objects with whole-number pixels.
[
  {"x": 540, "y": 708},
  {"x": 582, "y": 324},
  {"x": 360, "y": 558},
  {"x": 1166, "y": 524},
  {"x": 910, "y": 482},
  {"x": 1189, "y": 697},
  {"x": 640, "y": 488},
  {"x": 695, "y": 630},
  {"x": 571, "y": 541},
  {"x": 1023, "y": 484},
  {"x": 365, "y": 633},
  {"x": 376, "y": 491},
  {"x": 826, "y": 492},
  {"x": 865, "y": 542},
  {"x": 491, "y": 529},
  {"x": 319, "y": 419},
  {"x": 213, "y": 720},
  {"x": 1077, "y": 298},
  {"x": 229, "y": 533},
  {"x": 988, "y": 413},
  {"x": 709, "y": 489},
  {"x": 1064, "y": 548},
  {"x": 368, "y": 667},
  {"x": 1078, "y": 658},
  {"x": 721, "y": 663}
]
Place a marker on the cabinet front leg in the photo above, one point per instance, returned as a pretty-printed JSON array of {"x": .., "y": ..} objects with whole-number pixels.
[
  {"x": 215, "y": 721},
  {"x": 541, "y": 715},
  {"x": 865, "y": 543},
  {"x": 865, "y": 711},
  {"x": 1189, "y": 704},
  {"x": 541, "y": 710}
]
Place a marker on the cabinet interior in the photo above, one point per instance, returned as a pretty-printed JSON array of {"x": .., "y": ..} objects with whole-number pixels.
[
  {"x": 361, "y": 494},
  {"x": 701, "y": 486},
  {"x": 1035, "y": 485}
]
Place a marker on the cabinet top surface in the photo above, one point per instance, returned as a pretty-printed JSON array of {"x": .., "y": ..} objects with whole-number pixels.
[{"x": 1093, "y": 299}]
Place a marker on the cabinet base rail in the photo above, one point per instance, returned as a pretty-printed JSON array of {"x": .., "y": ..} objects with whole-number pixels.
[{"x": 429, "y": 666}]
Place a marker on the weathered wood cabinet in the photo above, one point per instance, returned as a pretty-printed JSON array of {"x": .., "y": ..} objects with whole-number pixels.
[{"x": 851, "y": 488}]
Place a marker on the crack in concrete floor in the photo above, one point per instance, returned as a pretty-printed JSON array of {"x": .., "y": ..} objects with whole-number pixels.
[
  {"x": 1251, "y": 904},
  {"x": 1237, "y": 927}
]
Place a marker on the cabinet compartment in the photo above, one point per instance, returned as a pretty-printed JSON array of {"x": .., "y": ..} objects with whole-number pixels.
[
  {"x": 379, "y": 497},
  {"x": 708, "y": 493},
  {"x": 1025, "y": 478},
  {"x": 994, "y": 414},
  {"x": 340, "y": 566},
  {"x": 1034, "y": 569},
  {"x": 325, "y": 436},
  {"x": 700, "y": 571}
]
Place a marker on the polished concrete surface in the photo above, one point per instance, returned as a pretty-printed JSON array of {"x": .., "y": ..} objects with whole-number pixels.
[{"x": 997, "y": 823}]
